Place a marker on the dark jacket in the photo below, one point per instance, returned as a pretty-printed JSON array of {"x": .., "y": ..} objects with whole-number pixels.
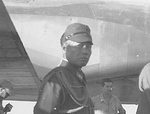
[{"x": 63, "y": 91}]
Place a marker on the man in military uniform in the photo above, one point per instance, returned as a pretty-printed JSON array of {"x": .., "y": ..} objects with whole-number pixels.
[
  {"x": 107, "y": 103},
  {"x": 63, "y": 90},
  {"x": 5, "y": 91}
]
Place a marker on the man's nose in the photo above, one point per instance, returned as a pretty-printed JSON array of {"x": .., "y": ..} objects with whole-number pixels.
[{"x": 110, "y": 88}]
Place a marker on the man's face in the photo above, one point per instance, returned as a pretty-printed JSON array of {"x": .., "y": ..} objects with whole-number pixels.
[
  {"x": 107, "y": 87},
  {"x": 78, "y": 53},
  {"x": 3, "y": 92}
]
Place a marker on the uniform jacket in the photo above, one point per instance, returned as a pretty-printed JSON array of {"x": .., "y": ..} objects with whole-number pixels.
[
  {"x": 64, "y": 91},
  {"x": 104, "y": 107}
]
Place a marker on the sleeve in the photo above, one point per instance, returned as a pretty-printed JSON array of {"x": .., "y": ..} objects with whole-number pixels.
[
  {"x": 144, "y": 81},
  {"x": 121, "y": 110},
  {"x": 94, "y": 100},
  {"x": 49, "y": 96}
]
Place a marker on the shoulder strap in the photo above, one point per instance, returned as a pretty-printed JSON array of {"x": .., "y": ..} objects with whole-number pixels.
[{"x": 80, "y": 101}]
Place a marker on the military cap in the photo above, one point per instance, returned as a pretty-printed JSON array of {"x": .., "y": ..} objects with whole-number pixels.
[
  {"x": 77, "y": 32},
  {"x": 6, "y": 84}
]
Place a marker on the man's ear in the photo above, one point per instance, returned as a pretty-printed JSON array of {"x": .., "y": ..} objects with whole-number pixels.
[
  {"x": 64, "y": 46},
  {"x": 7, "y": 95}
]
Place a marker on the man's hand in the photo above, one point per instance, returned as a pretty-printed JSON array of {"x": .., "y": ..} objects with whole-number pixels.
[{"x": 8, "y": 108}]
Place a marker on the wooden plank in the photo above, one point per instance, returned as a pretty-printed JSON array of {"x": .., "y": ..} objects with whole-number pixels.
[{"x": 18, "y": 81}]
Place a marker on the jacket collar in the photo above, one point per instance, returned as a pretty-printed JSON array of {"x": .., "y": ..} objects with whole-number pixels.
[
  {"x": 67, "y": 64},
  {"x": 80, "y": 75}
]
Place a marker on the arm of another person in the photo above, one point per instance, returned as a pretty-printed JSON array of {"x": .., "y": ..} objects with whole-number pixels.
[
  {"x": 121, "y": 110},
  {"x": 93, "y": 99},
  {"x": 144, "y": 81}
]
